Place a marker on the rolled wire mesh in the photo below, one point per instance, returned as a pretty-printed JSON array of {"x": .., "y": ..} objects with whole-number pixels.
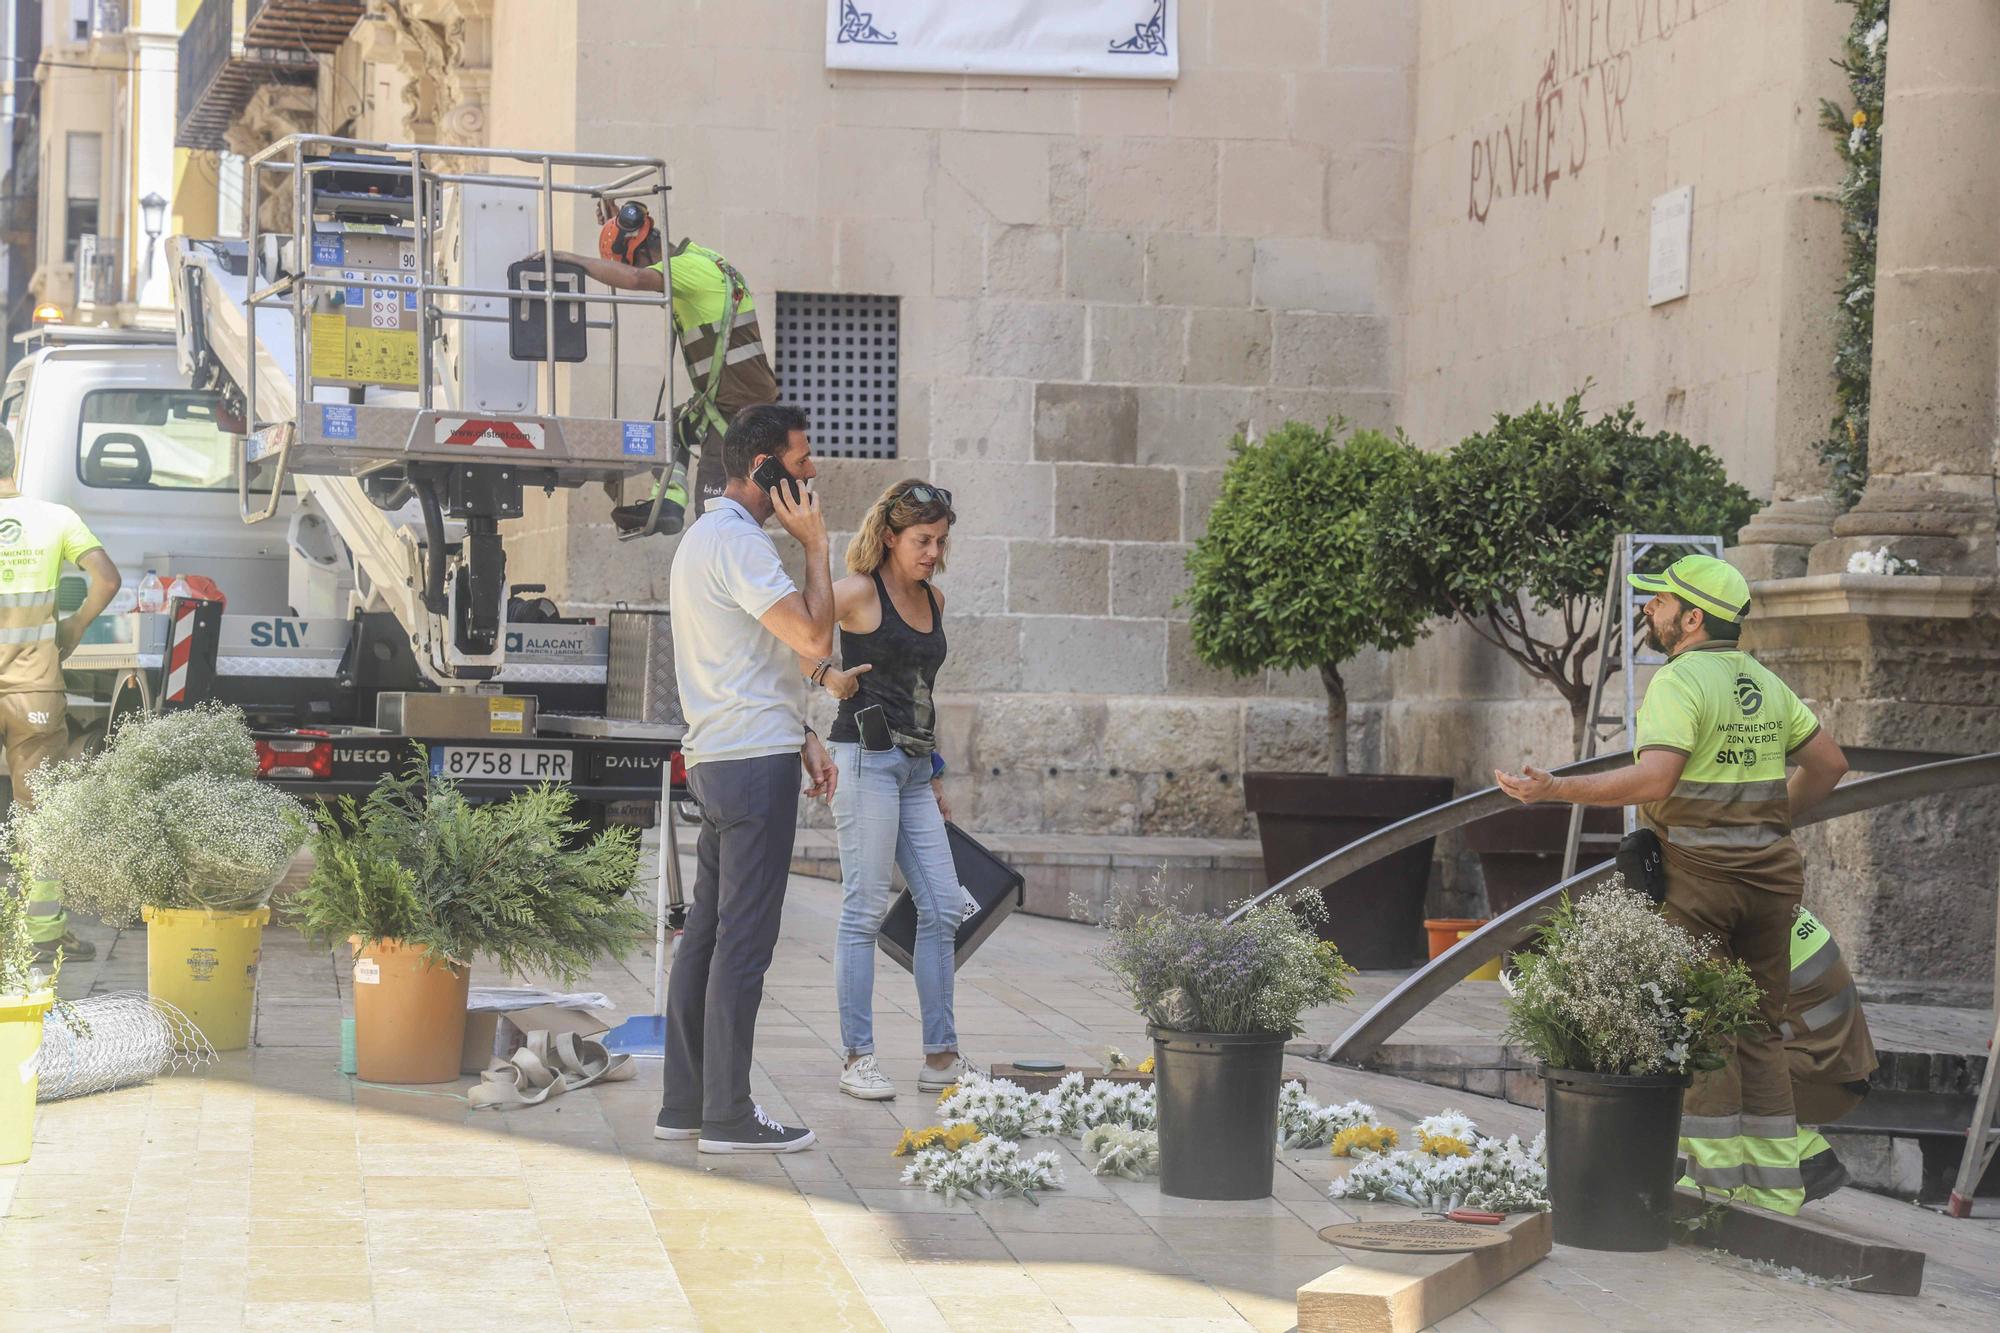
[{"x": 114, "y": 1041}]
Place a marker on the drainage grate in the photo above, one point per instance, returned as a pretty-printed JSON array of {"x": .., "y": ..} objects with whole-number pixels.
[{"x": 837, "y": 357}]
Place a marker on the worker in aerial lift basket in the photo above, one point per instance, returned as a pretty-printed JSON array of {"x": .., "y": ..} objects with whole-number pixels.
[
  {"x": 716, "y": 323},
  {"x": 1715, "y": 735},
  {"x": 37, "y": 538}
]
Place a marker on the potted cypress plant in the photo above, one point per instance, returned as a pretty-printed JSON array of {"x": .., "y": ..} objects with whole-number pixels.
[
  {"x": 1284, "y": 579},
  {"x": 168, "y": 823},
  {"x": 26, "y": 993},
  {"x": 1621, "y": 1006},
  {"x": 1511, "y": 533},
  {"x": 1221, "y": 999},
  {"x": 420, "y": 880}
]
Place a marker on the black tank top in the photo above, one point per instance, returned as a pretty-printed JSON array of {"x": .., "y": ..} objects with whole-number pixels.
[{"x": 905, "y": 670}]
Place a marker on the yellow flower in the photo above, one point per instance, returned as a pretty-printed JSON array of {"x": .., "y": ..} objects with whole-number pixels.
[
  {"x": 1444, "y": 1145},
  {"x": 1860, "y": 118},
  {"x": 947, "y": 1094},
  {"x": 960, "y": 1135},
  {"x": 916, "y": 1140},
  {"x": 1146, "y": 1065},
  {"x": 1363, "y": 1139}
]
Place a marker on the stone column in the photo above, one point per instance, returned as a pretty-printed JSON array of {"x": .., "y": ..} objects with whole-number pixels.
[
  {"x": 1778, "y": 541},
  {"x": 1936, "y": 374}
]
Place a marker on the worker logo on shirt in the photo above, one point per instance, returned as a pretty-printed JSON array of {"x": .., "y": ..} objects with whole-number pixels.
[
  {"x": 1748, "y": 697},
  {"x": 10, "y": 531}
]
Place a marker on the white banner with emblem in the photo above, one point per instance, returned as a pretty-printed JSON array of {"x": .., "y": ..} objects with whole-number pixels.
[{"x": 1072, "y": 39}]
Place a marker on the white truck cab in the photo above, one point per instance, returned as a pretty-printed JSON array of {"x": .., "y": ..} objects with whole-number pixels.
[{"x": 103, "y": 422}]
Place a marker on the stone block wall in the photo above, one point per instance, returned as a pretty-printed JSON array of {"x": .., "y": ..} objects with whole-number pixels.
[{"x": 1099, "y": 285}]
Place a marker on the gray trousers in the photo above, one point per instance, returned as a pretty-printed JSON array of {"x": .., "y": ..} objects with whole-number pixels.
[{"x": 750, "y": 810}]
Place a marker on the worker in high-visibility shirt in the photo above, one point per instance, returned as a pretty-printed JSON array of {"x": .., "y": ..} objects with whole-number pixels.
[
  {"x": 1715, "y": 735},
  {"x": 37, "y": 539},
  {"x": 715, "y": 321}
]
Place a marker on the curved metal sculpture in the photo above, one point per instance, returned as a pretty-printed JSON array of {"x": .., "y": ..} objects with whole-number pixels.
[
  {"x": 1511, "y": 930},
  {"x": 1385, "y": 842}
]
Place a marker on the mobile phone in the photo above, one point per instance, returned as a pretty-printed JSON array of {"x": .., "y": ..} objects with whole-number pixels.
[
  {"x": 873, "y": 725},
  {"x": 771, "y": 474}
]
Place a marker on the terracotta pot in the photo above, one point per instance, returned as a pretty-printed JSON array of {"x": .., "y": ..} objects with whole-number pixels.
[
  {"x": 1445, "y": 931},
  {"x": 1375, "y": 915},
  {"x": 409, "y": 1014}
]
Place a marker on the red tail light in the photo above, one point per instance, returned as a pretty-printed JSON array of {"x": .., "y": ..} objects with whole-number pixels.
[
  {"x": 309, "y": 756},
  {"x": 677, "y": 770}
]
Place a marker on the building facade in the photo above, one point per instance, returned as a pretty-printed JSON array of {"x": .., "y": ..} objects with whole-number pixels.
[{"x": 1402, "y": 213}]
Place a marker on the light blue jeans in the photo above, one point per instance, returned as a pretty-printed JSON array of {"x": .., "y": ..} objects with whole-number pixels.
[{"x": 887, "y": 816}]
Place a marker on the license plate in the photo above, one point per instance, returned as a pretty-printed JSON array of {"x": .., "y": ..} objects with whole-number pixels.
[{"x": 489, "y": 763}]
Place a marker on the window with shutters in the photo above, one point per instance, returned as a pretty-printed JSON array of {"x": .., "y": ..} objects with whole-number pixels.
[
  {"x": 83, "y": 160},
  {"x": 837, "y": 358}
]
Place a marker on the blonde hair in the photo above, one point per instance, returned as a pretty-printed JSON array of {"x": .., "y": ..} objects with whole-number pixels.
[{"x": 895, "y": 511}]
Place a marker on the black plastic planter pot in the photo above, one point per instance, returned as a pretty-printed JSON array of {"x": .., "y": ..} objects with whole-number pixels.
[
  {"x": 1376, "y": 914},
  {"x": 1218, "y": 1106},
  {"x": 1613, "y": 1140}
]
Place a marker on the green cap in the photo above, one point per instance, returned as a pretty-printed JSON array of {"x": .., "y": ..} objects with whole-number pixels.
[{"x": 1704, "y": 583}]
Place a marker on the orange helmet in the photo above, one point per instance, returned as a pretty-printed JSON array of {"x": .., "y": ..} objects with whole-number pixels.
[{"x": 626, "y": 233}]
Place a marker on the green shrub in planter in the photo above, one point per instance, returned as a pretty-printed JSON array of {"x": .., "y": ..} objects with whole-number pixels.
[
  {"x": 169, "y": 815},
  {"x": 1284, "y": 576},
  {"x": 419, "y": 863},
  {"x": 1511, "y": 531}
]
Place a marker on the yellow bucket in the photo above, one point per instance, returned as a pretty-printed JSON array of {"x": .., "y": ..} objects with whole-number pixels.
[
  {"x": 204, "y": 964},
  {"x": 20, "y": 1041},
  {"x": 1489, "y": 972}
]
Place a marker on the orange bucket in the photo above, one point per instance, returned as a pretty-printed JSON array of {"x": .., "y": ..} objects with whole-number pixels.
[{"x": 1444, "y": 930}]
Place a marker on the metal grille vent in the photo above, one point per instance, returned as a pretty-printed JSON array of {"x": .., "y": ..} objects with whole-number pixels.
[{"x": 837, "y": 358}]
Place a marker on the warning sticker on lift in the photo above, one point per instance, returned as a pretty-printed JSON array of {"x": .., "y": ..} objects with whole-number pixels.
[
  {"x": 506, "y": 717},
  {"x": 336, "y": 422},
  {"x": 641, "y": 439},
  {"x": 490, "y": 433}
]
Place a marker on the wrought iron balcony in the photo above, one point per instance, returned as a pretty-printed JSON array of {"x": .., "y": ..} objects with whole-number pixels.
[
  {"x": 315, "y": 25},
  {"x": 220, "y": 67}
]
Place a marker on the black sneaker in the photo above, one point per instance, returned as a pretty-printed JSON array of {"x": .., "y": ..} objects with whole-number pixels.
[
  {"x": 676, "y": 1127},
  {"x": 755, "y": 1132},
  {"x": 1823, "y": 1174}
]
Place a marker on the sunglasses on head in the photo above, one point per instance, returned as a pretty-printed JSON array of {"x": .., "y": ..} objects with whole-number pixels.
[{"x": 924, "y": 495}]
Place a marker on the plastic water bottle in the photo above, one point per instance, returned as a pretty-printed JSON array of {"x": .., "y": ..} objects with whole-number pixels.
[
  {"x": 152, "y": 592},
  {"x": 126, "y": 602},
  {"x": 178, "y": 589}
]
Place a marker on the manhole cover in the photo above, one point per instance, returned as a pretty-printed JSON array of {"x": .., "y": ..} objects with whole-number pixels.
[{"x": 1413, "y": 1237}]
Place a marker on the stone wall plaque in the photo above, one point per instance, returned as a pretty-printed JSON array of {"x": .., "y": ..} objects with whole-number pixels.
[{"x": 1667, "y": 259}]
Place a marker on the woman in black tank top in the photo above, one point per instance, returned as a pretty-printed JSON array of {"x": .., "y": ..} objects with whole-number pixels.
[{"x": 888, "y": 808}]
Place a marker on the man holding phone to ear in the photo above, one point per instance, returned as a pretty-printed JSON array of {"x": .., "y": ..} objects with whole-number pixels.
[{"x": 740, "y": 626}]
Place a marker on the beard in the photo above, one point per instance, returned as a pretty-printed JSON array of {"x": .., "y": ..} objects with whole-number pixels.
[{"x": 1663, "y": 640}]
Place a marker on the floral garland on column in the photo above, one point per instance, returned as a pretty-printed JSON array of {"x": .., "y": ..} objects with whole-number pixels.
[{"x": 1865, "y": 58}]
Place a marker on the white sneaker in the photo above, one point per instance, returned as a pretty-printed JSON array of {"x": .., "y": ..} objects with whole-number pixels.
[
  {"x": 937, "y": 1080},
  {"x": 864, "y": 1079}
]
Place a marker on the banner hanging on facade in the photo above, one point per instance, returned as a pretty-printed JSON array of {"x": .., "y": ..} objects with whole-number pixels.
[{"x": 1065, "y": 39}]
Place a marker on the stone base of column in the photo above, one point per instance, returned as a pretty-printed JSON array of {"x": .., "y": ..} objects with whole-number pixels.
[
  {"x": 1777, "y": 543},
  {"x": 1945, "y": 530},
  {"x": 1903, "y": 662}
]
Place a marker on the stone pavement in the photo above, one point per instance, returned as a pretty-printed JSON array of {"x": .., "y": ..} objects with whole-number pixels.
[{"x": 273, "y": 1193}]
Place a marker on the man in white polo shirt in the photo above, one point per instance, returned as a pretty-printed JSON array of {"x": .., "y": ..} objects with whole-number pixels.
[{"x": 740, "y": 626}]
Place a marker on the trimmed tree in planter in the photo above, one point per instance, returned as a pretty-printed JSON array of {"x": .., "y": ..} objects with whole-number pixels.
[
  {"x": 1511, "y": 534},
  {"x": 1284, "y": 578}
]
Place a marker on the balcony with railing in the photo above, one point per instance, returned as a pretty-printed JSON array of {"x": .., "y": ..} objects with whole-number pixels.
[
  {"x": 316, "y": 25},
  {"x": 221, "y": 66}
]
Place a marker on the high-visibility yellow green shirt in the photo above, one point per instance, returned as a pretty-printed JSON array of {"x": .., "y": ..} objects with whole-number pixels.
[
  {"x": 36, "y": 539},
  {"x": 1730, "y": 815},
  {"x": 700, "y": 287}
]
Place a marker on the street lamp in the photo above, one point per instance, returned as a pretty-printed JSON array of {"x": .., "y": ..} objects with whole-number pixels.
[{"x": 153, "y": 210}]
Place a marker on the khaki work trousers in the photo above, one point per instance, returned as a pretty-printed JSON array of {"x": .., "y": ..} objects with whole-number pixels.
[
  {"x": 1755, "y": 926},
  {"x": 34, "y": 728}
]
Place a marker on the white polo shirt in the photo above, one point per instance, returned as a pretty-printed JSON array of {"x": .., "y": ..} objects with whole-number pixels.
[{"x": 740, "y": 686}]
